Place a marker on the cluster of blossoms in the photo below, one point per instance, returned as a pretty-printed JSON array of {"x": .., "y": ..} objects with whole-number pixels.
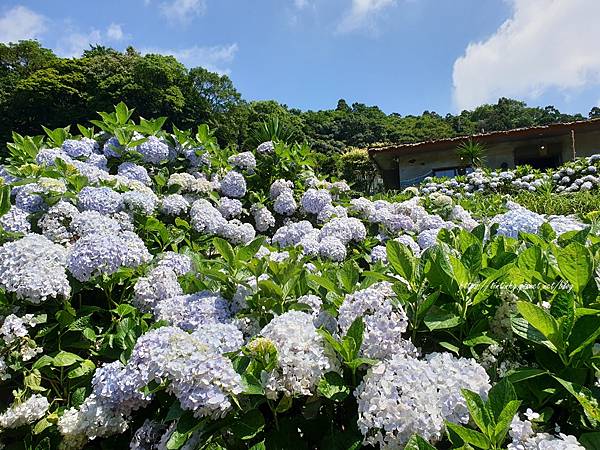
[
  {"x": 24, "y": 412},
  {"x": 525, "y": 438},
  {"x": 384, "y": 322},
  {"x": 14, "y": 332},
  {"x": 404, "y": 395},
  {"x": 303, "y": 356},
  {"x": 33, "y": 267}
]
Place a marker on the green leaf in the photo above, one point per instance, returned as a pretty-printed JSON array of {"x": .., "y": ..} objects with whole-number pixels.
[
  {"x": 259, "y": 446},
  {"x": 541, "y": 320},
  {"x": 585, "y": 332},
  {"x": 248, "y": 251},
  {"x": 65, "y": 359},
  {"x": 401, "y": 259},
  {"x": 477, "y": 409},
  {"x": 591, "y": 441},
  {"x": 499, "y": 396},
  {"x": 584, "y": 396},
  {"x": 441, "y": 320},
  {"x": 348, "y": 276},
  {"x": 576, "y": 265},
  {"x": 356, "y": 332},
  {"x": 469, "y": 436},
  {"x": 332, "y": 386},
  {"x": 416, "y": 442},
  {"x": 42, "y": 361},
  {"x": 85, "y": 368},
  {"x": 249, "y": 425},
  {"x": 504, "y": 420},
  {"x": 284, "y": 404},
  {"x": 224, "y": 248}
]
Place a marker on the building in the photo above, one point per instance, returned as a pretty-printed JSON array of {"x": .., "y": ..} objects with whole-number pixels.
[{"x": 541, "y": 147}]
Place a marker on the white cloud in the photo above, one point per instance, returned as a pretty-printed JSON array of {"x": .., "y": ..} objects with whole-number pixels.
[
  {"x": 73, "y": 44},
  {"x": 114, "y": 32},
  {"x": 546, "y": 44},
  {"x": 215, "y": 58},
  {"x": 301, "y": 4},
  {"x": 362, "y": 14},
  {"x": 19, "y": 23},
  {"x": 182, "y": 11}
]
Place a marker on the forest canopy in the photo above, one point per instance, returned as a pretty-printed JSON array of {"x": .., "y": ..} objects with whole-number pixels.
[{"x": 38, "y": 87}]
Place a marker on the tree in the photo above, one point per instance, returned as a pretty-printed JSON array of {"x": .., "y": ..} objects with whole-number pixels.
[{"x": 594, "y": 113}]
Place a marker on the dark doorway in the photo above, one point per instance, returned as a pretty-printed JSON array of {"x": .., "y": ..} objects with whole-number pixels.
[{"x": 541, "y": 155}]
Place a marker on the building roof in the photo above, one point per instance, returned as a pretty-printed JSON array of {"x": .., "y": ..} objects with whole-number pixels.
[{"x": 492, "y": 137}]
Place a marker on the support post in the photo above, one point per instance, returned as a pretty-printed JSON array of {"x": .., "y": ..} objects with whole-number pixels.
[{"x": 573, "y": 144}]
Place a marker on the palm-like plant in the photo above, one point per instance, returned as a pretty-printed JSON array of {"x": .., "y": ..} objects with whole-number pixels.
[
  {"x": 271, "y": 130},
  {"x": 473, "y": 152}
]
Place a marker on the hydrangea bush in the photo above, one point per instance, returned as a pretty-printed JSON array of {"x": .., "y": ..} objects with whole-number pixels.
[{"x": 158, "y": 291}]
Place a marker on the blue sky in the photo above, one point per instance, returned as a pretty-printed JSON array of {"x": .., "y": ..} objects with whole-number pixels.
[{"x": 405, "y": 56}]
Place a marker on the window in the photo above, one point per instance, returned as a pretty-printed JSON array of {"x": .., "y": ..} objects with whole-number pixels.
[{"x": 451, "y": 172}]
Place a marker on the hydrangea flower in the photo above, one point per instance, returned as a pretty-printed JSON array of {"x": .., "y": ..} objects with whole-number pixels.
[
  {"x": 15, "y": 221},
  {"x": 88, "y": 222},
  {"x": 243, "y": 161},
  {"x": 292, "y": 234},
  {"x": 101, "y": 199},
  {"x": 263, "y": 218},
  {"x": 284, "y": 203},
  {"x": 279, "y": 186},
  {"x": 233, "y": 185},
  {"x": 384, "y": 322},
  {"x": 153, "y": 150},
  {"x": 206, "y": 218},
  {"x": 174, "y": 205},
  {"x": 403, "y": 395},
  {"x": 332, "y": 248},
  {"x": 181, "y": 264},
  {"x": 518, "y": 219},
  {"x": 200, "y": 378},
  {"x": 525, "y": 438},
  {"x": 102, "y": 253},
  {"x": 134, "y": 172},
  {"x": 78, "y": 148},
  {"x": 112, "y": 148},
  {"x": 25, "y": 412},
  {"x": 160, "y": 284},
  {"x": 33, "y": 268},
  {"x": 48, "y": 156},
  {"x": 237, "y": 232},
  {"x": 230, "y": 208},
  {"x": 302, "y": 354},
  {"x": 314, "y": 201},
  {"x": 189, "y": 312},
  {"x": 265, "y": 147},
  {"x": 140, "y": 202}
]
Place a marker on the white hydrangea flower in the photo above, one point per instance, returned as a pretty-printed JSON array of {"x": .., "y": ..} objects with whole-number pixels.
[
  {"x": 25, "y": 412},
  {"x": 302, "y": 354},
  {"x": 33, "y": 268},
  {"x": 403, "y": 395}
]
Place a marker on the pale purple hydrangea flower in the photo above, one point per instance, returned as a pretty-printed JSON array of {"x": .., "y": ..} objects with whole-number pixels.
[
  {"x": 303, "y": 356},
  {"x": 233, "y": 185},
  {"x": 189, "y": 312},
  {"x": 75, "y": 149},
  {"x": 314, "y": 201},
  {"x": 15, "y": 221},
  {"x": 284, "y": 203},
  {"x": 243, "y": 161},
  {"x": 230, "y": 207},
  {"x": 266, "y": 147},
  {"x": 263, "y": 218},
  {"x": 134, "y": 171},
  {"x": 102, "y": 253},
  {"x": 279, "y": 186},
  {"x": 101, "y": 199},
  {"x": 140, "y": 202},
  {"x": 153, "y": 150},
  {"x": 174, "y": 205}
]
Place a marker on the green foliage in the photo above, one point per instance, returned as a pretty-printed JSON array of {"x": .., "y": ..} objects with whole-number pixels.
[{"x": 472, "y": 152}]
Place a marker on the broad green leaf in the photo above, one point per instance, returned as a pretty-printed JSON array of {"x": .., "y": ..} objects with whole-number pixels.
[
  {"x": 585, "y": 397},
  {"x": 65, "y": 359},
  {"x": 504, "y": 420},
  {"x": 469, "y": 436},
  {"x": 356, "y": 332},
  {"x": 440, "y": 320},
  {"x": 224, "y": 248},
  {"x": 499, "y": 396},
  {"x": 477, "y": 409},
  {"x": 585, "y": 332},
  {"x": 541, "y": 320},
  {"x": 401, "y": 259},
  {"x": 576, "y": 265},
  {"x": 333, "y": 386},
  {"x": 249, "y": 425}
]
